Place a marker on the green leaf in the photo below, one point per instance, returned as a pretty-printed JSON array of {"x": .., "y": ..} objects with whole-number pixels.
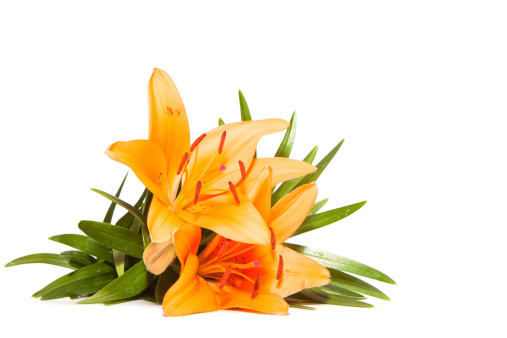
[
  {"x": 338, "y": 291},
  {"x": 45, "y": 258},
  {"x": 165, "y": 281},
  {"x": 132, "y": 282},
  {"x": 298, "y": 306},
  {"x": 328, "y": 217},
  {"x": 220, "y": 121},
  {"x": 114, "y": 237},
  {"x": 320, "y": 166},
  {"x": 285, "y": 147},
  {"x": 325, "y": 298},
  {"x": 317, "y": 206},
  {"x": 245, "y": 111},
  {"x": 137, "y": 214},
  {"x": 333, "y": 261},
  {"x": 344, "y": 280},
  {"x": 110, "y": 211},
  {"x": 78, "y": 259},
  {"x": 85, "y": 244},
  {"x": 89, "y": 279},
  {"x": 145, "y": 233},
  {"x": 287, "y": 186}
]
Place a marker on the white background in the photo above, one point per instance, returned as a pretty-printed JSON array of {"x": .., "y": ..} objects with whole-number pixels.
[{"x": 417, "y": 88}]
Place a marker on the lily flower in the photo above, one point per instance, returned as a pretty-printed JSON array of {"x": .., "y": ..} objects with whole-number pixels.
[
  {"x": 219, "y": 162},
  {"x": 229, "y": 274}
]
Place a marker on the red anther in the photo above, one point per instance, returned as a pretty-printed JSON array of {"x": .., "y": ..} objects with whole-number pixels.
[
  {"x": 234, "y": 193},
  {"x": 280, "y": 267},
  {"x": 197, "y": 141},
  {"x": 255, "y": 291},
  {"x": 272, "y": 239},
  {"x": 225, "y": 277},
  {"x": 182, "y": 163},
  {"x": 224, "y": 246},
  {"x": 242, "y": 169},
  {"x": 197, "y": 191},
  {"x": 222, "y": 141}
]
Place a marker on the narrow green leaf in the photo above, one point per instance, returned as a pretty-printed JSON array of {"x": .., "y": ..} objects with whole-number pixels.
[
  {"x": 220, "y": 121},
  {"x": 145, "y": 233},
  {"x": 245, "y": 111},
  {"x": 132, "y": 282},
  {"x": 114, "y": 237},
  {"x": 287, "y": 186},
  {"x": 298, "y": 306},
  {"x": 320, "y": 166},
  {"x": 333, "y": 261},
  {"x": 85, "y": 244},
  {"x": 78, "y": 258},
  {"x": 124, "y": 204},
  {"x": 325, "y": 298},
  {"x": 327, "y": 217},
  {"x": 338, "y": 291},
  {"x": 344, "y": 280},
  {"x": 84, "y": 281},
  {"x": 285, "y": 147},
  {"x": 317, "y": 206},
  {"x": 110, "y": 211},
  {"x": 45, "y": 258}
]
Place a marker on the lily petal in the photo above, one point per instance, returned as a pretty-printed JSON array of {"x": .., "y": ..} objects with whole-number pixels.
[
  {"x": 260, "y": 194},
  {"x": 168, "y": 124},
  {"x": 186, "y": 241},
  {"x": 299, "y": 272},
  {"x": 283, "y": 169},
  {"x": 265, "y": 302},
  {"x": 288, "y": 214},
  {"x": 239, "y": 222},
  {"x": 162, "y": 222},
  {"x": 240, "y": 142},
  {"x": 190, "y": 294},
  {"x": 147, "y": 160}
]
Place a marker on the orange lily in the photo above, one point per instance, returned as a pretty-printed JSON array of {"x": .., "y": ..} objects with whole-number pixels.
[
  {"x": 229, "y": 274},
  {"x": 219, "y": 162}
]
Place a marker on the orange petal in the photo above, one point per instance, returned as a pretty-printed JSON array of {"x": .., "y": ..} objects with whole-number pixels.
[
  {"x": 147, "y": 161},
  {"x": 240, "y": 143},
  {"x": 158, "y": 256},
  {"x": 260, "y": 194},
  {"x": 264, "y": 302},
  {"x": 288, "y": 214},
  {"x": 190, "y": 294},
  {"x": 162, "y": 221},
  {"x": 168, "y": 124},
  {"x": 239, "y": 222},
  {"x": 283, "y": 169},
  {"x": 299, "y": 272},
  {"x": 186, "y": 241}
]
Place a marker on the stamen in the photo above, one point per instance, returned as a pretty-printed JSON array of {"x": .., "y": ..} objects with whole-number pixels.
[
  {"x": 255, "y": 291},
  {"x": 222, "y": 141},
  {"x": 234, "y": 193},
  {"x": 225, "y": 277},
  {"x": 197, "y": 141},
  {"x": 242, "y": 169},
  {"x": 197, "y": 191},
  {"x": 221, "y": 167},
  {"x": 272, "y": 239},
  {"x": 256, "y": 263},
  {"x": 182, "y": 163},
  {"x": 280, "y": 267},
  {"x": 224, "y": 247}
]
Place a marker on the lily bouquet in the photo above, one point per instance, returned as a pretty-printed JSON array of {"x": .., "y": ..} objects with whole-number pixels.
[{"x": 209, "y": 232}]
